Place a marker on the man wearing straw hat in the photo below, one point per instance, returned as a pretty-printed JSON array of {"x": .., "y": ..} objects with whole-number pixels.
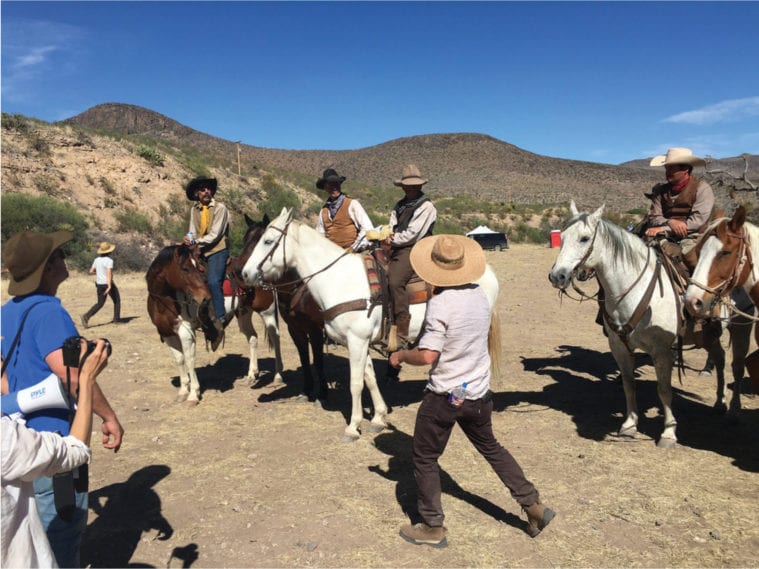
[
  {"x": 681, "y": 206},
  {"x": 455, "y": 344},
  {"x": 102, "y": 268},
  {"x": 35, "y": 326},
  {"x": 412, "y": 219}
]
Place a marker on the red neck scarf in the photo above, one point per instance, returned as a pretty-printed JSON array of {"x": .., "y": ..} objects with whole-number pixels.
[{"x": 676, "y": 189}]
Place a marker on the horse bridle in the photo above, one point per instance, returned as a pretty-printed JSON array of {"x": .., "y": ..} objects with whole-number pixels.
[
  {"x": 270, "y": 255},
  {"x": 736, "y": 277}
]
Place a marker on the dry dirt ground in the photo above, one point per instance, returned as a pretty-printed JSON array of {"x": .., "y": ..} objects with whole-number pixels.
[{"x": 254, "y": 477}]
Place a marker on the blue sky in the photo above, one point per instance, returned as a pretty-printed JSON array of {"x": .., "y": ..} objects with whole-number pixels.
[{"x": 596, "y": 81}]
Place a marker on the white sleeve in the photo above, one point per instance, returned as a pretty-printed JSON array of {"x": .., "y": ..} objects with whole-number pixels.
[{"x": 28, "y": 454}]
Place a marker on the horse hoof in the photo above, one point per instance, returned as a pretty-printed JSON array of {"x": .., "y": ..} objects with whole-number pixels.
[
  {"x": 667, "y": 443},
  {"x": 191, "y": 402},
  {"x": 181, "y": 398},
  {"x": 628, "y": 432},
  {"x": 376, "y": 428}
]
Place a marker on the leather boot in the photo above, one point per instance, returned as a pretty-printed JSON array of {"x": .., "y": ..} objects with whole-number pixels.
[
  {"x": 402, "y": 323},
  {"x": 538, "y": 517}
]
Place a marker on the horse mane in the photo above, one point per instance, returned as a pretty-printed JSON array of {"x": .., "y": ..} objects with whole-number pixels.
[
  {"x": 625, "y": 247},
  {"x": 165, "y": 257}
]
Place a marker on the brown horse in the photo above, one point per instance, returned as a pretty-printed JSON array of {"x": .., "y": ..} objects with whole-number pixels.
[
  {"x": 297, "y": 308},
  {"x": 178, "y": 304}
]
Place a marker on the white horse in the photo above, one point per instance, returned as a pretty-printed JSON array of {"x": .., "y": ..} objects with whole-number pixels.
[
  {"x": 178, "y": 302},
  {"x": 335, "y": 277},
  {"x": 629, "y": 272}
]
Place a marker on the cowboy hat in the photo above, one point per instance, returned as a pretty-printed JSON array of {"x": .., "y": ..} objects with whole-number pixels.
[
  {"x": 448, "y": 260},
  {"x": 105, "y": 248},
  {"x": 411, "y": 177},
  {"x": 26, "y": 256},
  {"x": 198, "y": 184},
  {"x": 329, "y": 175},
  {"x": 677, "y": 156}
]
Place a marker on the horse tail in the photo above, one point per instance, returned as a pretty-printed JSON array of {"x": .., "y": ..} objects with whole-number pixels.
[{"x": 494, "y": 346}]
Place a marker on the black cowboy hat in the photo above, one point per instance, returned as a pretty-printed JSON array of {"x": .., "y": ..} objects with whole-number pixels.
[
  {"x": 198, "y": 184},
  {"x": 329, "y": 175}
]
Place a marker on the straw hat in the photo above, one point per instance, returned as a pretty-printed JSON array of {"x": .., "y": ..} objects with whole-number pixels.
[
  {"x": 329, "y": 175},
  {"x": 105, "y": 247},
  {"x": 411, "y": 177},
  {"x": 26, "y": 255},
  {"x": 677, "y": 156},
  {"x": 448, "y": 260},
  {"x": 198, "y": 184}
]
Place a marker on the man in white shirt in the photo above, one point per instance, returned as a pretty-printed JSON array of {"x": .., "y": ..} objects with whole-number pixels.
[
  {"x": 102, "y": 268},
  {"x": 455, "y": 344}
]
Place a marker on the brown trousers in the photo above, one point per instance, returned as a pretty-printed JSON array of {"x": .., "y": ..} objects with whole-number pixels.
[
  {"x": 434, "y": 423},
  {"x": 399, "y": 274}
]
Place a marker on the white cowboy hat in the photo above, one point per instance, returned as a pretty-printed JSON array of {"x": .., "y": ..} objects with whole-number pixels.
[
  {"x": 448, "y": 260},
  {"x": 677, "y": 156},
  {"x": 106, "y": 247},
  {"x": 411, "y": 177}
]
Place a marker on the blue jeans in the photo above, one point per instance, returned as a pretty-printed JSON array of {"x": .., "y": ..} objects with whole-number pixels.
[
  {"x": 217, "y": 266},
  {"x": 65, "y": 537}
]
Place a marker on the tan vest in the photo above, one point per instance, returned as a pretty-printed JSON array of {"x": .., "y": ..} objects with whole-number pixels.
[{"x": 341, "y": 229}]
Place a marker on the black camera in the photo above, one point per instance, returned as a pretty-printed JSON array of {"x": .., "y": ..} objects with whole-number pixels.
[{"x": 72, "y": 348}]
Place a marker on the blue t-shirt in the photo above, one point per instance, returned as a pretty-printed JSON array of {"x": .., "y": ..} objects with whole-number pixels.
[{"x": 46, "y": 328}]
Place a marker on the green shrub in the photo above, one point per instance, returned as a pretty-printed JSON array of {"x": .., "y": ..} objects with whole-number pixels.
[
  {"x": 278, "y": 199},
  {"x": 107, "y": 186},
  {"x": 47, "y": 184},
  {"x": 150, "y": 154},
  {"x": 22, "y": 212},
  {"x": 130, "y": 219},
  {"x": 15, "y": 122}
]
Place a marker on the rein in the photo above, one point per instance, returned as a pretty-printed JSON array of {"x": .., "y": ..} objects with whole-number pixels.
[{"x": 304, "y": 280}]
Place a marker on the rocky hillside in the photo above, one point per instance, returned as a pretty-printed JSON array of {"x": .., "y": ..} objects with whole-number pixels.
[
  {"x": 118, "y": 163},
  {"x": 470, "y": 164}
]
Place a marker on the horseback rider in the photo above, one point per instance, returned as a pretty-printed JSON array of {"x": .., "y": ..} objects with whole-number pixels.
[
  {"x": 342, "y": 220},
  {"x": 209, "y": 227},
  {"x": 681, "y": 206},
  {"x": 412, "y": 219}
]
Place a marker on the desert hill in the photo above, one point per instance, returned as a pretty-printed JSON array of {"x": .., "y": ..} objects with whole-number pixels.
[
  {"x": 124, "y": 168},
  {"x": 470, "y": 164}
]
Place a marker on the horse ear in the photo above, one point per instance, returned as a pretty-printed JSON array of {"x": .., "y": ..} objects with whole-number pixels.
[
  {"x": 289, "y": 214},
  {"x": 573, "y": 208},
  {"x": 266, "y": 220},
  {"x": 248, "y": 221},
  {"x": 599, "y": 212},
  {"x": 739, "y": 218}
]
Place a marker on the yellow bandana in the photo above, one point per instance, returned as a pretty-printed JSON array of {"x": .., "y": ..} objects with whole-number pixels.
[{"x": 205, "y": 220}]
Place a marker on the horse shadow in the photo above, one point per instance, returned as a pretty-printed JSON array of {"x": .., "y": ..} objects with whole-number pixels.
[
  {"x": 222, "y": 375},
  {"x": 598, "y": 407},
  {"x": 400, "y": 469},
  {"x": 337, "y": 370},
  {"x": 125, "y": 510}
]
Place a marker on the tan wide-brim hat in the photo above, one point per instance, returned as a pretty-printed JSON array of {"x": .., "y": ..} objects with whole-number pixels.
[
  {"x": 411, "y": 177},
  {"x": 448, "y": 260},
  {"x": 105, "y": 248},
  {"x": 26, "y": 255},
  {"x": 677, "y": 156}
]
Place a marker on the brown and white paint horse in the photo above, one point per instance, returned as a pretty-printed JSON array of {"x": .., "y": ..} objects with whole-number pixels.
[
  {"x": 179, "y": 304},
  {"x": 726, "y": 254}
]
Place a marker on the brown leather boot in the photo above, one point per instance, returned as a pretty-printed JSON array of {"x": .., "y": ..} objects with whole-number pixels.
[
  {"x": 538, "y": 517},
  {"x": 402, "y": 323},
  {"x": 422, "y": 534}
]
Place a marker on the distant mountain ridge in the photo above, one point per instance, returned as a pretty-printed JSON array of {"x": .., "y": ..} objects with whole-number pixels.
[{"x": 461, "y": 163}]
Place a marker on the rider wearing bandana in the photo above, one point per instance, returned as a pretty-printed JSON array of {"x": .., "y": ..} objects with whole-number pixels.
[
  {"x": 342, "y": 220},
  {"x": 412, "y": 219}
]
